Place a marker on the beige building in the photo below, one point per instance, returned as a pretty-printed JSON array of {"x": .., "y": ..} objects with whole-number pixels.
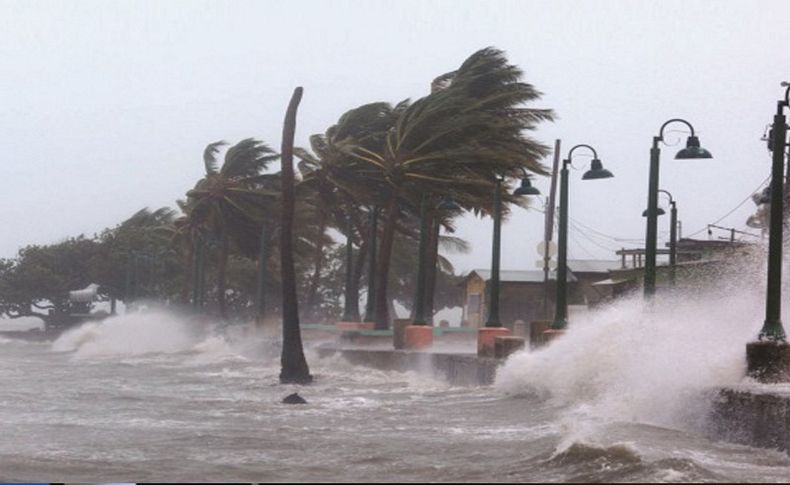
[{"x": 523, "y": 295}]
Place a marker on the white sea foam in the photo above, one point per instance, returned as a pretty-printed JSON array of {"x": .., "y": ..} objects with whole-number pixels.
[
  {"x": 626, "y": 362},
  {"x": 132, "y": 334}
]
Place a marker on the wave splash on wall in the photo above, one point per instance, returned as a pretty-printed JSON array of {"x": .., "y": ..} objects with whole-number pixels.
[
  {"x": 628, "y": 362},
  {"x": 132, "y": 334}
]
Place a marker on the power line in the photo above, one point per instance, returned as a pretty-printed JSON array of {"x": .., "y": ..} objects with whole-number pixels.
[{"x": 748, "y": 197}]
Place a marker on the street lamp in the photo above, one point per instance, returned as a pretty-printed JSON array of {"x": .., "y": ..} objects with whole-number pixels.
[
  {"x": 768, "y": 359},
  {"x": 772, "y": 329},
  {"x": 673, "y": 233},
  {"x": 595, "y": 172},
  {"x": 493, "y": 327},
  {"x": 693, "y": 150},
  {"x": 526, "y": 188}
]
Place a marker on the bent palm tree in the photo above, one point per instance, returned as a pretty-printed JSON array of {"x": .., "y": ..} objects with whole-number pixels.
[
  {"x": 457, "y": 140},
  {"x": 293, "y": 363},
  {"x": 228, "y": 203}
]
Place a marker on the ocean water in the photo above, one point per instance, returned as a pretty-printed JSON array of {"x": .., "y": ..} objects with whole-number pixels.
[{"x": 622, "y": 397}]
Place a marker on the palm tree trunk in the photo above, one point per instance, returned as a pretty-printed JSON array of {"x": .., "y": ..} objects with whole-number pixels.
[
  {"x": 260, "y": 294},
  {"x": 356, "y": 277},
  {"x": 312, "y": 312},
  {"x": 431, "y": 269},
  {"x": 221, "y": 283},
  {"x": 383, "y": 264},
  {"x": 294, "y": 368}
]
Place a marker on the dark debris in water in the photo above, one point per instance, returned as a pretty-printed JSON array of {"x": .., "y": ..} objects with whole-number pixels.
[{"x": 294, "y": 398}]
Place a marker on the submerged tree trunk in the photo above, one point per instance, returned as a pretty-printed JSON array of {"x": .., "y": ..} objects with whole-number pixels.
[
  {"x": 383, "y": 264},
  {"x": 294, "y": 368}
]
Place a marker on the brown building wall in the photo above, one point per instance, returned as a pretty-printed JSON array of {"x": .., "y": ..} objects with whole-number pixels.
[
  {"x": 517, "y": 301},
  {"x": 475, "y": 302}
]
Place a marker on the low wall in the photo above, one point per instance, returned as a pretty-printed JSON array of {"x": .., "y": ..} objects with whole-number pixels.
[
  {"x": 753, "y": 415},
  {"x": 457, "y": 369}
]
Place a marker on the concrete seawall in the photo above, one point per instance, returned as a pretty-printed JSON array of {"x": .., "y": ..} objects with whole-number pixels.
[
  {"x": 752, "y": 414},
  {"x": 755, "y": 415},
  {"x": 457, "y": 368}
]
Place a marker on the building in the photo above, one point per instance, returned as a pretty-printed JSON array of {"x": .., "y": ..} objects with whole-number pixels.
[{"x": 523, "y": 295}]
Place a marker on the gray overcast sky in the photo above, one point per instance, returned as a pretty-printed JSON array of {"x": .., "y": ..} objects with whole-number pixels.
[{"x": 106, "y": 106}]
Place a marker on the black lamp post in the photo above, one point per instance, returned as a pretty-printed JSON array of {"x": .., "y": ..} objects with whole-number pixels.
[
  {"x": 447, "y": 204},
  {"x": 596, "y": 172},
  {"x": 692, "y": 151},
  {"x": 673, "y": 233},
  {"x": 768, "y": 358},
  {"x": 772, "y": 328},
  {"x": 526, "y": 188}
]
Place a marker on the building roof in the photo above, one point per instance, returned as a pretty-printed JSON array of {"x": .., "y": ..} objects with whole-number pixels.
[
  {"x": 593, "y": 265},
  {"x": 519, "y": 276}
]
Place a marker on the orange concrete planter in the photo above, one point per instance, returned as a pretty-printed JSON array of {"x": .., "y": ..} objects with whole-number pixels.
[
  {"x": 418, "y": 337},
  {"x": 354, "y": 325},
  {"x": 486, "y": 338}
]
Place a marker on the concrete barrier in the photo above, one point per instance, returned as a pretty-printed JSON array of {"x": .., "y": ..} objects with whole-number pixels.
[
  {"x": 457, "y": 369},
  {"x": 399, "y": 332},
  {"x": 750, "y": 415},
  {"x": 536, "y": 329},
  {"x": 504, "y": 346}
]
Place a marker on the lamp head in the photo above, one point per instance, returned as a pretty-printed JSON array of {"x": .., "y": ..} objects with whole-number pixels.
[
  {"x": 659, "y": 212},
  {"x": 526, "y": 188},
  {"x": 596, "y": 171},
  {"x": 693, "y": 150}
]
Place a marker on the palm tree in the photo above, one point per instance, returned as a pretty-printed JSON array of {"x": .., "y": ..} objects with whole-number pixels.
[
  {"x": 228, "y": 204},
  {"x": 336, "y": 190},
  {"x": 293, "y": 363},
  {"x": 459, "y": 139}
]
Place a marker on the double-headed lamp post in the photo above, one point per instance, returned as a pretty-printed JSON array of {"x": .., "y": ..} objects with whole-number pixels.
[
  {"x": 595, "y": 172},
  {"x": 768, "y": 359},
  {"x": 673, "y": 233},
  {"x": 692, "y": 151}
]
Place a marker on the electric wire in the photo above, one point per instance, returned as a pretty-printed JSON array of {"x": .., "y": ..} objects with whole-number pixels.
[{"x": 748, "y": 197}]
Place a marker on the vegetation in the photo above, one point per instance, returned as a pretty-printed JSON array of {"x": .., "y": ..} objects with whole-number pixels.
[{"x": 247, "y": 240}]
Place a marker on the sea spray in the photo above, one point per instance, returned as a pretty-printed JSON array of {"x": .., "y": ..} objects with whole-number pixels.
[
  {"x": 131, "y": 334},
  {"x": 632, "y": 363}
]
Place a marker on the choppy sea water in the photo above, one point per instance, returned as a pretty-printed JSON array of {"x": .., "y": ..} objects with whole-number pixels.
[{"x": 149, "y": 398}]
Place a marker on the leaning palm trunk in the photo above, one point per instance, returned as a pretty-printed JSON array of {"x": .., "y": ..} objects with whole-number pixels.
[
  {"x": 356, "y": 278},
  {"x": 383, "y": 264},
  {"x": 318, "y": 263},
  {"x": 430, "y": 266},
  {"x": 221, "y": 276},
  {"x": 294, "y": 368}
]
